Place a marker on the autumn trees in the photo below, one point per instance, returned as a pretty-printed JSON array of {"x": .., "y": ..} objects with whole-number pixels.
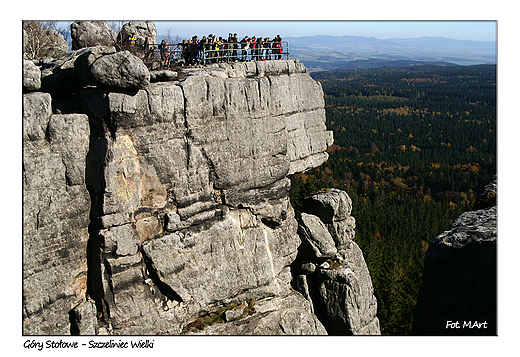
[{"x": 412, "y": 147}]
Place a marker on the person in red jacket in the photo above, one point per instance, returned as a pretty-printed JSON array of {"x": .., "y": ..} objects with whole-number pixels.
[
  {"x": 253, "y": 48},
  {"x": 277, "y": 42}
]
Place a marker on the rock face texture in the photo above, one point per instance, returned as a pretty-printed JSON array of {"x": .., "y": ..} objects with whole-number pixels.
[
  {"x": 104, "y": 67},
  {"x": 31, "y": 76},
  {"x": 488, "y": 198},
  {"x": 330, "y": 270},
  {"x": 140, "y": 29},
  {"x": 55, "y": 216},
  {"x": 163, "y": 208},
  {"x": 458, "y": 293},
  {"x": 91, "y": 33}
]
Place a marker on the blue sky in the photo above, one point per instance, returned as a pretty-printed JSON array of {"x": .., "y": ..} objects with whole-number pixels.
[
  {"x": 376, "y": 18},
  {"x": 463, "y": 30}
]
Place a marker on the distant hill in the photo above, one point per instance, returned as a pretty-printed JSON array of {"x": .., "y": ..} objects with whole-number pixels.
[
  {"x": 314, "y": 66},
  {"x": 323, "y": 52}
]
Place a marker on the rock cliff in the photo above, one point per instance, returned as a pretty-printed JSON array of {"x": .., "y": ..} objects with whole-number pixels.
[
  {"x": 330, "y": 270},
  {"x": 162, "y": 207},
  {"x": 458, "y": 293},
  {"x": 56, "y": 206}
]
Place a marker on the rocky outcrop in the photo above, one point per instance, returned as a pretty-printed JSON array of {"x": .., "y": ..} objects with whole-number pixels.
[
  {"x": 91, "y": 33},
  {"x": 58, "y": 75},
  {"x": 55, "y": 216},
  {"x": 488, "y": 198},
  {"x": 170, "y": 200},
  {"x": 286, "y": 314},
  {"x": 330, "y": 270},
  {"x": 31, "y": 77},
  {"x": 458, "y": 293},
  {"x": 141, "y": 31},
  {"x": 93, "y": 66},
  {"x": 195, "y": 191},
  {"x": 104, "y": 67}
]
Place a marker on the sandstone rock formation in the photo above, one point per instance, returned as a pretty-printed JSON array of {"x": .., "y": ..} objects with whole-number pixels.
[
  {"x": 458, "y": 293},
  {"x": 55, "y": 216},
  {"x": 330, "y": 270},
  {"x": 65, "y": 77},
  {"x": 488, "y": 198},
  {"x": 104, "y": 67},
  {"x": 91, "y": 33},
  {"x": 31, "y": 77},
  {"x": 163, "y": 208},
  {"x": 140, "y": 29},
  {"x": 58, "y": 75}
]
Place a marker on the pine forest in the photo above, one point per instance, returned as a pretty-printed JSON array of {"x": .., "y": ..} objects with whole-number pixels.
[{"x": 413, "y": 147}]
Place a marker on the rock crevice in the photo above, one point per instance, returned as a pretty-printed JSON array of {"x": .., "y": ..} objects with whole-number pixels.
[{"x": 167, "y": 200}]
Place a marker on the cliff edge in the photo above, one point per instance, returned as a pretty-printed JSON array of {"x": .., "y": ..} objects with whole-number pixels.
[
  {"x": 458, "y": 292},
  {"x": 162, "y": 207}
]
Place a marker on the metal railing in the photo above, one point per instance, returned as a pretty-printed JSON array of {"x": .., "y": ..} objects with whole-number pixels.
[{"x": 176, "y": 55}]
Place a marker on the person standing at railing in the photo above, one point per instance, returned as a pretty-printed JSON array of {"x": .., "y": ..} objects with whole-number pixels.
[
  {"x": 252, "y": 45},
  {"x": 259, "y": 44},
  {"x": 277, "y": 42},
  {"x": 261, "y": 49},
  {"x": 234, "y": 55},
  {"x": 194, "y": 49},
  {"x": 267, "y": 49},
  {"x": 207, "y": 48},
  {"x": 165, "y": 54},
  {"x": 245, "y": 46},
  {"x": 218, "y": 48},
  {"x": 147, "y": 50},
  {"x": 202, "y": 49},
  {"x": 226, "y": 52},
  {"x": 229, "y": 47},
  {"x": 186, "y": 54},
  {"x": 210, "y": 47}
]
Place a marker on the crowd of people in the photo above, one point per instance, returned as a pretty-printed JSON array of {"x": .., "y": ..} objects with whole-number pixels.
[{"x": 213, "y": 49}]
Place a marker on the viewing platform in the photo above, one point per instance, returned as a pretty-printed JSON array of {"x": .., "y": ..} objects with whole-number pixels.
[{"x": 157, "y": 57}]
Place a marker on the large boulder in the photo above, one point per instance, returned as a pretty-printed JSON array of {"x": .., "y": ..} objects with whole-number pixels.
[
  {"x": 91, "y": 33},
  {"x": 100, "y": 66},
  {"x": 458, "y": 292},
  {"x": 37, "y": 110},
  {"x": 58, "y": 76},
  {"x": 31, "y": 76},
  {"x": 141, "y": 30},
  {"x": 333, "y": 207},
  {"x": 316, "y": 239},
  {"x": 237, "y": 253},
  {"x": 348, "y": 305}
]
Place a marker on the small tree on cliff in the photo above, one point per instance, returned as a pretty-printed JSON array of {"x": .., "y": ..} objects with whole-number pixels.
[
  {"x": 116, "y": 26},
  {"x": 41, "y": 40}
]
